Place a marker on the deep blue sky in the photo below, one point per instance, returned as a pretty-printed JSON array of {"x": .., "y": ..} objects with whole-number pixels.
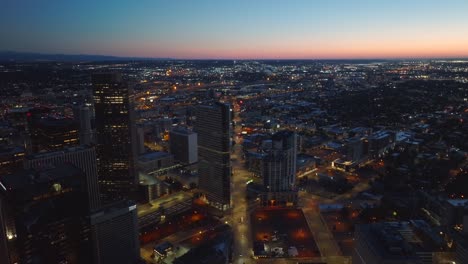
[{"x": 238, "y": 28}]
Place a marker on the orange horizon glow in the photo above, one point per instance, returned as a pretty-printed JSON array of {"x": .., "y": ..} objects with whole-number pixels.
[
  {"x": 379, "y": 48},
  {"x": 358, "y": 53},
  {"x": 241, "y": 29}
]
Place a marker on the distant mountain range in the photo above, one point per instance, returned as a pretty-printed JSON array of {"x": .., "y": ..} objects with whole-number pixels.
[{"x": 32, "y": 57}]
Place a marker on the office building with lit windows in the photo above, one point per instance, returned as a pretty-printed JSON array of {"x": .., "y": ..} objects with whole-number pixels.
[
  {"x": 11, "y": 159},
  {"x": 51, "y": 134},
  {"x": 213, "y": 126},
  {"x": 115, "y": 132},
  {"x": 45, "y": 217},
  {"x": 278, "y": 170}
]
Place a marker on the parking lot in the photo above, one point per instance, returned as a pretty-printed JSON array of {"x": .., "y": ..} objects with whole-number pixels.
[{"x": 283, "y": 233}]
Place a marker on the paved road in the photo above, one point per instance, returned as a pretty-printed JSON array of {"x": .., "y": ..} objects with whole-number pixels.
[
  {"x": 323, "y": 237},
  {"x": 240, "y": 212}
]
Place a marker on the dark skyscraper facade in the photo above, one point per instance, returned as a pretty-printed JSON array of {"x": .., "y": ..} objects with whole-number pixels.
[
  {"x": 115, "y": 135},
  {"x": 83, "y": 117},
  {"x": 11, "y": 159},
  {"x": 183, "y": 145},
  {"x": 51, "y": 214},
  {"x": 51, "y": 134},
  {"x": 114, "y": 234},
  {"x": 82, "y": 157},
  {"x": 213, "y": 125},
  {"x": 42, "y": 216},
  {"x": 279, "y": 169}
]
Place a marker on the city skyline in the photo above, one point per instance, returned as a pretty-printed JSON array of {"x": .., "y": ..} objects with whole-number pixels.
[
  {"x": 170, "y": 161},
  {"x": 242, "y": 30},
  {"x": 240, "y": 132}
]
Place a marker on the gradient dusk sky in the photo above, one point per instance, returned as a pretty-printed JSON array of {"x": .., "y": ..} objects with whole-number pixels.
[{"x": 238, "y": 29}]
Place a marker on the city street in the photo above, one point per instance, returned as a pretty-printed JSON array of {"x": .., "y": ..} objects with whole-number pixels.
[
  {"x": 240, "y": 215},
  {"x": 240, "y": 211},
  {"x": 323, "y": 237}
]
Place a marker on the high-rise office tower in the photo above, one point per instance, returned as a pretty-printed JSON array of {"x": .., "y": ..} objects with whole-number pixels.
[
  {"x": 50, "y": 134},
  {"x": 114, "y": 234},
  {"x": 42, "y": 215},
  {"x": 27, "y": 125},
  {"x": 184, "y": 145},
  {"x": 279, "y": 170},
  {"x": 82, "y": 115},
  {"x": 140, "y": 140},
  {"x": 213, "y": 126},
  {"x": 81, "y": 157},
  {"x": 45, "y": 217},
  {"x": 115, "y": 131}
]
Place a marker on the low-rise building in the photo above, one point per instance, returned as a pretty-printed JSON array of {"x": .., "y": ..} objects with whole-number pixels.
[
  {"x": 156, "y": 163},
  {"x": 413, "y": 242}
]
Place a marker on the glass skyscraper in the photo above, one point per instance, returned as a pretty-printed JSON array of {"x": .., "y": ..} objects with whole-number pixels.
[
  {"x": 115, "y": 133},
  {"x": 213, "y": 125}
]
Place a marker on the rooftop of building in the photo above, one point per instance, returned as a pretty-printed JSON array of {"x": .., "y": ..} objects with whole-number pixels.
[
  {"x": 107, "y": 211},
  {"x": 333, "y": 145},
  {"x": 360, "y": 129},
  {"x": 214, "y": 104},
  {"x": 146, "y": 179},
  {"x": 182, "y": 131},
  {"x": 153, "y": 156},
  {"x": 107, "y": 77},
  {"x": 380, "y": 134},
  {"x": 55, "y": 153},
  {"x": 213, "y": 251},
  {"x": 28, "y": 180},
  {"x": 304, "y": 159},
  {"x": 402, "y": 239},
  {"x": 163, "y": 248},
  {"x": 354, "y": 139},
  {"x": 56, "y": 122},
  {"x": 458, "y": 202},
  {"x": 19, "y": 109},
  {"x": 10, "y": 150},
  {"x": 168, "y": 201},
  {"x": 403, "y": 135},
  {"x": 335, "y": 130},
  {"x": 282, "y": 134}
]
